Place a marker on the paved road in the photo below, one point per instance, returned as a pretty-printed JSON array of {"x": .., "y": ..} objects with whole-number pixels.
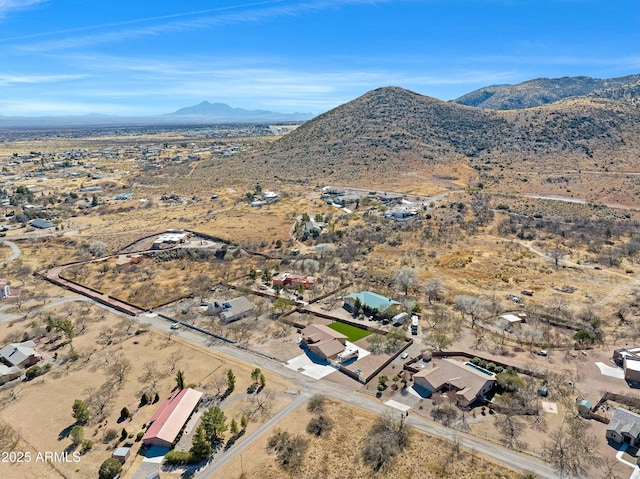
[
  {"x": 52, "y": 303},
  {"x": 519, "y": 462},
  {"x": 221, "y": 458},
  {"x": 15, "y": 252}
]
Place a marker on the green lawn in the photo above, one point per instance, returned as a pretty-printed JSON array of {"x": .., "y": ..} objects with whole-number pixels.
[{"x": 352, "y": 333}]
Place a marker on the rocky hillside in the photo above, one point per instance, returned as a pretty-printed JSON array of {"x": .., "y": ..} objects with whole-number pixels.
[{"x": 543, "y": 91}]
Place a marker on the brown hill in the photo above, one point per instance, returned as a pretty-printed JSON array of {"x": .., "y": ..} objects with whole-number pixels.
[
  {"x": 542, "y": 91},
  {"x": 391, "y": 133}
]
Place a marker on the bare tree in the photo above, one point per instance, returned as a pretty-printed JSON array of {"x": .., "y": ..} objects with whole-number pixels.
[
  {"x": 8, "y": 437},
  {"x": 99, "y": 400},
  {"x": 151, "y": 376},
  {"x": 572, "y": 448},
  {"x": 260, "y": 405},
  {"x": 387, "y": 438},
  {"x": 511, "y": 428},
  {"x": 434, "y": 290},
  {"x": 119, "y": 370},
  {"x": 98, "y": 248},
  {"x": 469, "y": 305},
  {"x": 173, "y": 359},
  {"x": 404, "y": 279},
  {"x": 557, "y": 254}
]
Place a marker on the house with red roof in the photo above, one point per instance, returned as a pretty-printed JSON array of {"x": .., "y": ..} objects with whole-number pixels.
[{"x": 170, "y": 418}]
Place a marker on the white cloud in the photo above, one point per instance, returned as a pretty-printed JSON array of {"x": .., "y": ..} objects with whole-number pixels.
[
  {"x": 186, "y": 21},
  {"x": 24, "y": 107},
  {"x": 7, "y": 79},
  {"x": 6, "y": 6}
]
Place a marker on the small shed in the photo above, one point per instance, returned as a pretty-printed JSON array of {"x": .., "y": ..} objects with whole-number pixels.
[
  {"x": 122, "y": 454},
  {"x": 512, "y": 319}
]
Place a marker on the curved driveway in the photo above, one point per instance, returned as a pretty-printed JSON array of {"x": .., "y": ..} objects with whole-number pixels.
[{"x": 15, "y": 252}]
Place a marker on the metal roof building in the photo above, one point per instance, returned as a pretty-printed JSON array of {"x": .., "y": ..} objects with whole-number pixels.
[{"x": 170, "y": 418}]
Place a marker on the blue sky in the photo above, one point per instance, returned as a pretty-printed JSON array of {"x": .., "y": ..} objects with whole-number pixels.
[{"x": 143, "y": 57}]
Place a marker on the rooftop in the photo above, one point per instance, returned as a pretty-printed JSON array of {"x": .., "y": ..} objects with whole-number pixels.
[
  {"x": 373, "y": 300},
  {"x": 172, "y": 415},
  {"x": 624, "y": 421}
]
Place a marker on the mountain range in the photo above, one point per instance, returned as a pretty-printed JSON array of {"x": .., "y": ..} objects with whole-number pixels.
[
  {"x": 542, "y": 91},
  {"x": 529, "y": 94},
  {"x": 204, "y": 112},
  {"x": 223, "y": 112},
  {"x": 392, "y": 136}
]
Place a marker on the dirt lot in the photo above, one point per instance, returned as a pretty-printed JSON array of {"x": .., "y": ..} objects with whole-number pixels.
[
  {"x": 336, "y": 454},
  {"x": 40, "y": 410}
]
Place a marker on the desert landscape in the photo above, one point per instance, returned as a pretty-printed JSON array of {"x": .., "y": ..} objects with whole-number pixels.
[{"x": 276, "y": 271}]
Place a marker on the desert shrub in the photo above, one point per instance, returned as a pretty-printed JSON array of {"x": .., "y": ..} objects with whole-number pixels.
[
  {"x": 316, "y": 403},
  {"x": 289, "y": 450},
  {"x": 33, "y": 372},
  {"x": 178, "y": 458},
  {"x": 110, "y": 435},
  {"x": 319, "y": 425}
]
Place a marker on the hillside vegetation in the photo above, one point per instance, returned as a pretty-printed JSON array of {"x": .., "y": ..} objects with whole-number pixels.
[
  {"x": 542, "y": 91},
  {"x": 393, "y": 133}
]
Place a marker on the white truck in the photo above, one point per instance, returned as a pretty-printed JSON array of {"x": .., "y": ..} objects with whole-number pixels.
[{"x": 414, "y": 324}]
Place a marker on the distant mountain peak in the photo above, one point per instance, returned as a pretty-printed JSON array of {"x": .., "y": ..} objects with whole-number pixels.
[{"x": 224, "y": 112}]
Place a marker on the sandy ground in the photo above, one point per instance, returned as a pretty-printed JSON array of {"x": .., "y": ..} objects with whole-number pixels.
[{"x": 41, "y": 414}]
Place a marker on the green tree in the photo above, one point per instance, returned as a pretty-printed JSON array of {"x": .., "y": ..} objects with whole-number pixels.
[
  {"x": 255, "y": 375},
  {"x": 382, "y": 381},
  {"x": 214, "y": 422},
  {"x": 231, "y": 380},
  {"x": 125, "y": 413},
  {"x": 244, "y": 422},
  {"x": 180, "y": 384},
  {"x": 233, "y": 427},
  {"x": 109, "y": 469},
  {"x": 281, "y": 305},
  {"x": 80, "y": 411},
  {"x": 77, "y": 435},
  {"x": 266, "y": 276},
  {"x": 263, "y": 381},
  {"x": 201, "y": 445},
  {"x": 584, "y": 337},
  {"x": 509, "y": 380}
]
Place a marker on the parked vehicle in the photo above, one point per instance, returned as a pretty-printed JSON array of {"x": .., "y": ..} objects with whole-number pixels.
[
  {"x": 414, "y": 324},
  {"x": 400, "y": 318},
  {"x": 348, "y": 354}
]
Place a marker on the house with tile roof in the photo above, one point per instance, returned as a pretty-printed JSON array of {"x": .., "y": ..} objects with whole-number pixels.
[
  {"x": 624, "y": 427},
  {"x": 324, "y": 341},
  {"x": 467, "y": 381}
]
